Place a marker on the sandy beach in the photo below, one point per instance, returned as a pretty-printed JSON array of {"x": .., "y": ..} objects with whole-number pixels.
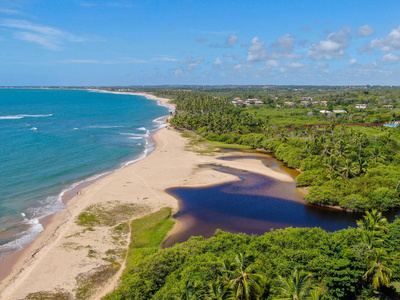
[{"x": 67, "y": 249}]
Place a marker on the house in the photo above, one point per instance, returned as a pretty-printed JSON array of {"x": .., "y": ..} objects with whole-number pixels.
[
  {"x": 325, "y": 103},
  {"x": 340, "y": 111},
  {"x": 237, "y": 99},
  {"x": 288, "y": 103},
  {"x": 306, "y": 98},
  {"x": 389, "y": 106},
  {"x": 278, "y": 105},
  {"x": 315, "y": 102},
  {"x": 361, "y": 106},
  {"x": 258, "y": 102},
  {"x": 325, "y": 111},
  {"x": 305, "y": 103}
]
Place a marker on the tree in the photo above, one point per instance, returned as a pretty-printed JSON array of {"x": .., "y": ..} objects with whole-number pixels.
[
  {"x": 378, "y": 273},
  {"x": 296, "y": 287},
  {"x": 373, "y": 221},
  {"x": 348, "y": 170},
  {"x": 188, "y": 291},
  {"x": 219, "y": 290},
  {"x": 245, "y": 280}
]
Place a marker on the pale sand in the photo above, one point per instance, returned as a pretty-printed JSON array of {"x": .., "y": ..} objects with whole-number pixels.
[{"x": 60, "y": 253}]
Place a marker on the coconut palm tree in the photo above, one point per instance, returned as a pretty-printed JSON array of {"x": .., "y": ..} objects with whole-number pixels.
[
  {"x": 348, "y": 170},
  {"x": 296, "y": 287},
  {"x": 373, "y": 221},
  {"x": 245, "y": 280},
  {"x": 219, "y": 290},
  {"x": 378, "y": 273},
  {"x": 188, "y": 291}
]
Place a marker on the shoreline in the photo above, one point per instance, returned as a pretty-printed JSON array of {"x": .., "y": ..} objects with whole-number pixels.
[
  {"x": 66, "y": 194},
  {"x": 48, "y": 264}
]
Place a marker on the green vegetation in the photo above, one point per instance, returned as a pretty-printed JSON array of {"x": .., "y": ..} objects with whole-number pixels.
[
  {"x": 59, "y": 295},
  {"x": 147, "y": 234},
  {"x": 354, "y": 167},
  {"x": 108, "y": 214},
  {"x": 291, "y": 263},
  {"x": 88, "y": 283}
]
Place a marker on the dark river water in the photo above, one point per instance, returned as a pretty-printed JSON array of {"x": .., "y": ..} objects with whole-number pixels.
[{"x": 253, "y": 205}]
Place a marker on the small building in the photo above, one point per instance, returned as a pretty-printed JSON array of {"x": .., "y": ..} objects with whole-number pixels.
[
  {"x": 361, "y": 106},
  {"x": 305, "y": 103},
  {"x": 315, "y": 103},
  {"x": 258, "y": 102},
  {"x": 306, "y": 98},
  {"x": 288, "y": 103},
  {"x": 278, "y": 105},
  {"x": 325, "y": 103},
  {"x": 340, "y": 111},
  {"x": 237, "y": 99},
  {"x": 388, "y": 106},
  {"x": 325, "y": 111}
]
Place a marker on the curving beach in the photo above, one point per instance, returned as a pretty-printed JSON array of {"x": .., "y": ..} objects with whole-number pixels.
[{"x": 65, "y": 249}]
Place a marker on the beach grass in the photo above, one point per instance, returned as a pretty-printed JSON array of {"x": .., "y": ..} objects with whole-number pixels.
[
  {"x": 200, "y": 145},
  {"x": 147, "y": 234},
  {"x": 108, "y": 214}
]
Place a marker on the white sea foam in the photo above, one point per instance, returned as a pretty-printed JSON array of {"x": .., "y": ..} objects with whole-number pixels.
[
  {"x": 12, "y": 117},
  {"x": 23, "y": 239},
  {"x": 142, "y": 128},
  {"x": 33, "y": 129},
  {"x": 76, "y": 128}
]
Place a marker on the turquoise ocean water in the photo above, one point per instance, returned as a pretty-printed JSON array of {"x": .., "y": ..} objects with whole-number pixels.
[{"x": 52, "y": 140}]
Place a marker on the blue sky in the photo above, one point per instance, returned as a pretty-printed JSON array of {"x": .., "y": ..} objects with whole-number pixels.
[{"x": 123, "y": 42}]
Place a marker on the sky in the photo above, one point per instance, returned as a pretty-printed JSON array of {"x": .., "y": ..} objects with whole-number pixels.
[{"x": 201, "y": 42}]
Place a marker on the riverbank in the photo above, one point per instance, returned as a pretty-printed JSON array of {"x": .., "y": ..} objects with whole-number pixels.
[{"x": 69, "y": 248}]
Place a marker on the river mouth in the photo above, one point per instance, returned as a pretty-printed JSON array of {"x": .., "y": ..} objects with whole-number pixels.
[{"x": 253, "y": 205}]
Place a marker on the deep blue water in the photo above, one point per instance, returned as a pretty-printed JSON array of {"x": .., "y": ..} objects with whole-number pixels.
[
  {"x": 52, "y": 139},
  {"x": 253, "y": 205}
]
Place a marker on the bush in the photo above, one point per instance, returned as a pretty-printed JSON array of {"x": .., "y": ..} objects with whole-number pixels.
[{"x": 311, "y": 178}]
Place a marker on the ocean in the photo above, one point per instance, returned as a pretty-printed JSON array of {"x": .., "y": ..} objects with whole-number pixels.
[{"x": 53, "y": 140}]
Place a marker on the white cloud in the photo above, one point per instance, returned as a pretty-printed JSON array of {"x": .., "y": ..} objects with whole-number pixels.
[
  {"x": 10, "y": 11},
  {"x": 365, "y": 30},
  {"x": 331, "y": 48},
  {"x": 191, "y": 62},
  {"x": 390, "y": 57},
  {"x": 232, "y": 39},
  {"x": 178, "y": 72},
  {"x": 165, "y": 58},
  {"x": 283, "y": 48},
  {"x": 257, "y": 51},
  {"x": 389, "y": 43},
  {"x": 230, "y": 55},
  {"x": 49, "y": 37},
  {"x": 322, "y": 65},
  {"x": 353, "y": 62},
  {"x": 295, "y": 65},
  {"x": 217, "y": 61},
  {"x": 272, "y": 63}
]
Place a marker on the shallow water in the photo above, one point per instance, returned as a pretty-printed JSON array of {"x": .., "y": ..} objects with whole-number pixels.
[
  {"x": 253, "y": 205},
  {"x": 52, "y": 140}
]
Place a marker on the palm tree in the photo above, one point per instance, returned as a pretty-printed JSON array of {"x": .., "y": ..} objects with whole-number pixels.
[
  {"x": 246, "y": 282},
  {"x": 369, "y": 239},
  {"x": 347, "y": 170},
  {"x": 378, "y": 273},
  {"x": 362, "y": 165},
  {"x": 377, "y": 154},
  {"x": 219, "y": 290},
  {"x": 296, "y": 287},
  {"x": 187, "y": 292},
  {"x": 373, "y": 221}
]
